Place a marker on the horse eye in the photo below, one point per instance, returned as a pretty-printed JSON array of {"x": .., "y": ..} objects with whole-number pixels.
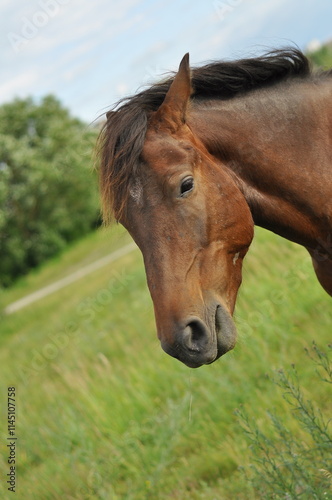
[{"x": 187, "y": 185}]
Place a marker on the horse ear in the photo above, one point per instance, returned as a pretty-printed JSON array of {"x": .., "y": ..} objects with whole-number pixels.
[{"x": 173, "y": 109}]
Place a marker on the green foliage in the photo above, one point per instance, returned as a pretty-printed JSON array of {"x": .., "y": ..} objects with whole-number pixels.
[
  {"x": 290, "y": 464},
  {"x": 48, "y": 193},
  {"x": 322, "y": 58}
]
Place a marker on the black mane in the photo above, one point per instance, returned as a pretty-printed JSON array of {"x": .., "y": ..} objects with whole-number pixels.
[
  {"x": 226, "y": 79},
  {"x": 122, "y": 137}
]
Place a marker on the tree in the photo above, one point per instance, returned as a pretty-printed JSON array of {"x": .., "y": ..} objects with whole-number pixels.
[
  {"x": 322, "y": 57},
  {"x": 48, "y": 190}
]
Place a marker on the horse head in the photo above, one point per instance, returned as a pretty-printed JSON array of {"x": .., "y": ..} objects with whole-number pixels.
[{"x": 193, "y": 226}]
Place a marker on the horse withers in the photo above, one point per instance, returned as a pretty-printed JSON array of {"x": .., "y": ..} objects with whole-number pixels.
[{"x": 189, "y": 166}]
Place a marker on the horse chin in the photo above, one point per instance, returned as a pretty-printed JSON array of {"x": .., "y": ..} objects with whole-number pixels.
[{"x": 225, "y": 331}]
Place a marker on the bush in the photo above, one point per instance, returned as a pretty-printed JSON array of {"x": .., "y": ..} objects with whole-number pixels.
[
  {"x": 48, "y": 193},
  {"x": 290, "y": 465}
]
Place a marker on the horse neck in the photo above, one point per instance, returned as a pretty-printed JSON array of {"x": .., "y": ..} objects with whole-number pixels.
[{"x": 277, "y": 146}]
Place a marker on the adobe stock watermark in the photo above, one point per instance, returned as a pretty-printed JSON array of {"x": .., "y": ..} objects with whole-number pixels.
[
  {"x": 30, "y": 27},
  {"x": 323, "y": 250},
  {"x": 152, "y": 74},
  {"x": 293, "y": 279},
  {"x": 94, "y": 487},
  {"x": 86, "y": 311},
  {"x": 223, "y": 8}
]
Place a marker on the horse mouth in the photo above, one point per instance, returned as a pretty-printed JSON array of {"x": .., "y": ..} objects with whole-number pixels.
[
  {"x": 225, "y": 331},
  {"x": 222, "y": 336},
  {"x": 198, "y": 342}
]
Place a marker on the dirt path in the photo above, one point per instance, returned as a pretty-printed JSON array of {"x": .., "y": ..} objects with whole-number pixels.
[{"x": 71, "y": 278}]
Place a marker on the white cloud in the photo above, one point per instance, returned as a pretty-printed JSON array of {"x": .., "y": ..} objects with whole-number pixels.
[
  {"x": 122, "y": 88},
  {"x": 237, "y": 25},
  {"x": 77, "y": 72},
  {"x": 92, "y": 53},
  {"x": 15, "y": 85}
]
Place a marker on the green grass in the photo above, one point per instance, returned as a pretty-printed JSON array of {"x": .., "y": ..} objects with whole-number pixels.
[{"x": 103, "y": 413}]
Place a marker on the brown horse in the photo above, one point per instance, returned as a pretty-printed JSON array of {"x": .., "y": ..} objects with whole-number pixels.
[{"x": 189, "y": 165}]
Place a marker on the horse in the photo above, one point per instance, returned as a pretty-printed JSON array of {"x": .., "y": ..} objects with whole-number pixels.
[{"x": 191, "y": 164}]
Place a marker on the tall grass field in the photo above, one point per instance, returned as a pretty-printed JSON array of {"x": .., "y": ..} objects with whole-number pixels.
[{"x": 103, "y": 413}]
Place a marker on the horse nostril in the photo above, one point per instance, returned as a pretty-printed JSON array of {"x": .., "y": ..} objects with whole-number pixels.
[
  {"x": 195, "y": 335},
  {"x": 192, "y": 343}
]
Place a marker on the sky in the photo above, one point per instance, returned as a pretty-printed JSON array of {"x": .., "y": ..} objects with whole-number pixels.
[{"x": 92, "y": 53}]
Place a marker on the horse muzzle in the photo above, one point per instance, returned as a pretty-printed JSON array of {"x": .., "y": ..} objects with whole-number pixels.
[{"x": 196, "y": 342}]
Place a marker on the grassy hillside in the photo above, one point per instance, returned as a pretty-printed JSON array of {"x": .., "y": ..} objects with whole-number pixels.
[{"x": 103, "y": 413}]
